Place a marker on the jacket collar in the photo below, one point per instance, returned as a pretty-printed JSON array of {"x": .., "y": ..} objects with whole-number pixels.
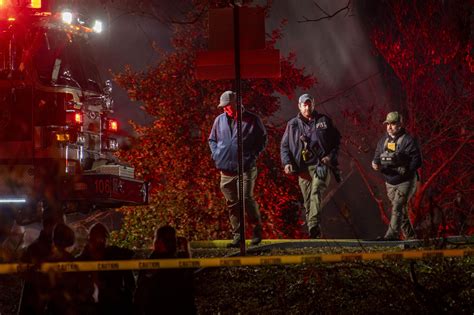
[
  {"x": 398, "y": 135},
  {"x": 314, "y": 114}
]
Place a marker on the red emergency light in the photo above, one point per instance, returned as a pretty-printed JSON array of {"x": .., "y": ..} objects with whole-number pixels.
[
  {"x": 74, "y": 117},
  {"x": 113, "y": 125},
  {"x": 78, "y": 118},
  {"x": 110, "y": 125}
]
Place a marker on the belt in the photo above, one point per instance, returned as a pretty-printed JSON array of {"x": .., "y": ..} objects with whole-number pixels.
[{"x": 229, "y": 173}]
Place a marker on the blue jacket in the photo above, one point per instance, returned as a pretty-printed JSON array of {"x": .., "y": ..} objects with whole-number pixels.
[
  {"x": 326, "y": 136},
  {"x": 223, "y": 141}
]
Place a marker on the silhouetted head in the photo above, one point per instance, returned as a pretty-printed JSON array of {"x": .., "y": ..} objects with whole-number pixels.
[
  {"x": 183, "y": 247},
  {"x": 98, "y": 235},
  {"x": 63, "y": 236},
  {"x": 49, "y": 222},
  {"x": 165, "y": 240}
]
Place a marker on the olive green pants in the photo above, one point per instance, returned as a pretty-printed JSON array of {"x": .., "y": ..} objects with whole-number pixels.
[
  {"x": 399, "y": 196},
  {"x": 312, "y": 189}
]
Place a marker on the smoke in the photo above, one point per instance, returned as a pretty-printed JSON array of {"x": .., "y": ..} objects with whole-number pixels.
[{"x": 336, "y": 50}]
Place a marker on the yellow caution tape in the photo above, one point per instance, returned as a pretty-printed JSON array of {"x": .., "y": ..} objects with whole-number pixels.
[{"x": 111, "y": 265}]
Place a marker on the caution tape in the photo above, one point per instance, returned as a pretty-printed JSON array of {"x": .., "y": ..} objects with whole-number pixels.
[{"x": 112, "y": 265}]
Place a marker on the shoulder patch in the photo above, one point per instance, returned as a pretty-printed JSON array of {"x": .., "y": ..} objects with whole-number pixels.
[{"x": 321, "y": 125}]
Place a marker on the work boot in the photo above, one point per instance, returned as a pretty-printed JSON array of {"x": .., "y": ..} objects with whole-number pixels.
[
  {"x": 257, "y": 235},
  {"x": 235, "y": 242},
  {"x": 315, "y": 232}
]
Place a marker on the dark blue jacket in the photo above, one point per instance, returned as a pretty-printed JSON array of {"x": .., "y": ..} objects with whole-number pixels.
[
  {"x": 223, "y": 142},
  {"x": 327, "y": 142},
  {"x": 409, "y": 155}
]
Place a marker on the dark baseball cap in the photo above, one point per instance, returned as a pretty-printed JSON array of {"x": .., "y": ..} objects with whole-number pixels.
[{"x": 306, "y": 97}]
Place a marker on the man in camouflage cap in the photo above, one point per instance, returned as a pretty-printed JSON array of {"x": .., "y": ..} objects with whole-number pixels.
[{"x": 398, "y": 158}]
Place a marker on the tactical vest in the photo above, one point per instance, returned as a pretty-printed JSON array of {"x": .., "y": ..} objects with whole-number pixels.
[{"x": 389, "y": 157}]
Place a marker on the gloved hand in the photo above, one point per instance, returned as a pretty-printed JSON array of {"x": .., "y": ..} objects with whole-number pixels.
[
  {"x": 337, "y": 175},
  {"x": 289, "y": 169},
  {"x": 326, "y": 160},
  {"x": 321, "y": 171},
  {"x": 401, "y": 170}
]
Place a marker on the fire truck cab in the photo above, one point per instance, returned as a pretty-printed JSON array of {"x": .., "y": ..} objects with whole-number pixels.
[{"x": 57, "y": 138}]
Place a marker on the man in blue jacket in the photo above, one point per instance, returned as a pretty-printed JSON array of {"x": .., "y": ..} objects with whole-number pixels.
[
  {"x": 398, "y": 157},
  {"x": 223, "y": 144},
  {"x": 309, "y": 148}
]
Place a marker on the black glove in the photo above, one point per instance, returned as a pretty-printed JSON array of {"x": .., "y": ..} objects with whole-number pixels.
[
  {"x": 321, "y": 171},
  {"x": 337, "y": 174},
  {"x": 401, "y": 170}
]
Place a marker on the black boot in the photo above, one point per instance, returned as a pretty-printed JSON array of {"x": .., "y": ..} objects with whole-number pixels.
[
  {"x": 315, "y": 232},
  {"x": 235, "y": 242},
  {"x": 257, "y": 235}
]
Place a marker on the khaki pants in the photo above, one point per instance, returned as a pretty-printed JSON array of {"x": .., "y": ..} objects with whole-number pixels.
[
  {"x": 399, "y": 196},
  {"x": 229, "y": 187},
  {"x": 312, "y": 189}
]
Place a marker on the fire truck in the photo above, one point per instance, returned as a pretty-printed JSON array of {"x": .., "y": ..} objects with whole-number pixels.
[{"x": 57, "y": 136}]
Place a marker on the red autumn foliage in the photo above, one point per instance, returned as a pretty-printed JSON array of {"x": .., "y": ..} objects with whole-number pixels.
[
  {"x": 428, "y": 46},
  {"x": 173, "y": 152}
]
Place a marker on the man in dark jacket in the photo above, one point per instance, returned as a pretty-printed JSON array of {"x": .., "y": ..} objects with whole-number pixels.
[
  {"x": 309, "y": 148},
  {"x": 223, "y": 144},
  {"x": 398, "y": 157},
  {"x": 115, "y": 288},
  {"x": 36, "y": 293},
  {"x": 165, "y": 291}
]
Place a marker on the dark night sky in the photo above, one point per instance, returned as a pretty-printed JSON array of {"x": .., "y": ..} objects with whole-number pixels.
[{"x": 335, "y": 50}]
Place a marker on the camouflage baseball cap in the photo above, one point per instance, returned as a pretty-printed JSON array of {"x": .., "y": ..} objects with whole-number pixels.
[{"x": 393, "y": 117}]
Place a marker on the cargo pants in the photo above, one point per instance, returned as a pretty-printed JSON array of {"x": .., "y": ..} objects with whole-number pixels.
[
  {"x": 399, "y": 196},
  {"x": 312, "y": 189},
  {"x": 229, "y": 186}
]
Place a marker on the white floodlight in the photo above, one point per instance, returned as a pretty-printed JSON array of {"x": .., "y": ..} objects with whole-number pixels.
[
  {"x": 97, "y": 26},
  {"x": 12, "y": 200},
  {"x": 66, "y": 17}
]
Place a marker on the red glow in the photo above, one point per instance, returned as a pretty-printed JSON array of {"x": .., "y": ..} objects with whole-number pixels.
[
  {"x": 113, "y": 125},
  {"x": 78, "y": 118}
]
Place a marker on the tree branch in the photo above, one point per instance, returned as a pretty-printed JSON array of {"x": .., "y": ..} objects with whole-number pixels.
[
  {"x": 378, "y": 201},
  {"x": 326, "y": 14},
  {"x": 438, "y": 171},
  {"x": 342, "y": 92}
]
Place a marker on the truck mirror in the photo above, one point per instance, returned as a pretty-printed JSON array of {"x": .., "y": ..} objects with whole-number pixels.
[
  {"x": 108, "y": 87},
  {"x": 55, "y": 73}
]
